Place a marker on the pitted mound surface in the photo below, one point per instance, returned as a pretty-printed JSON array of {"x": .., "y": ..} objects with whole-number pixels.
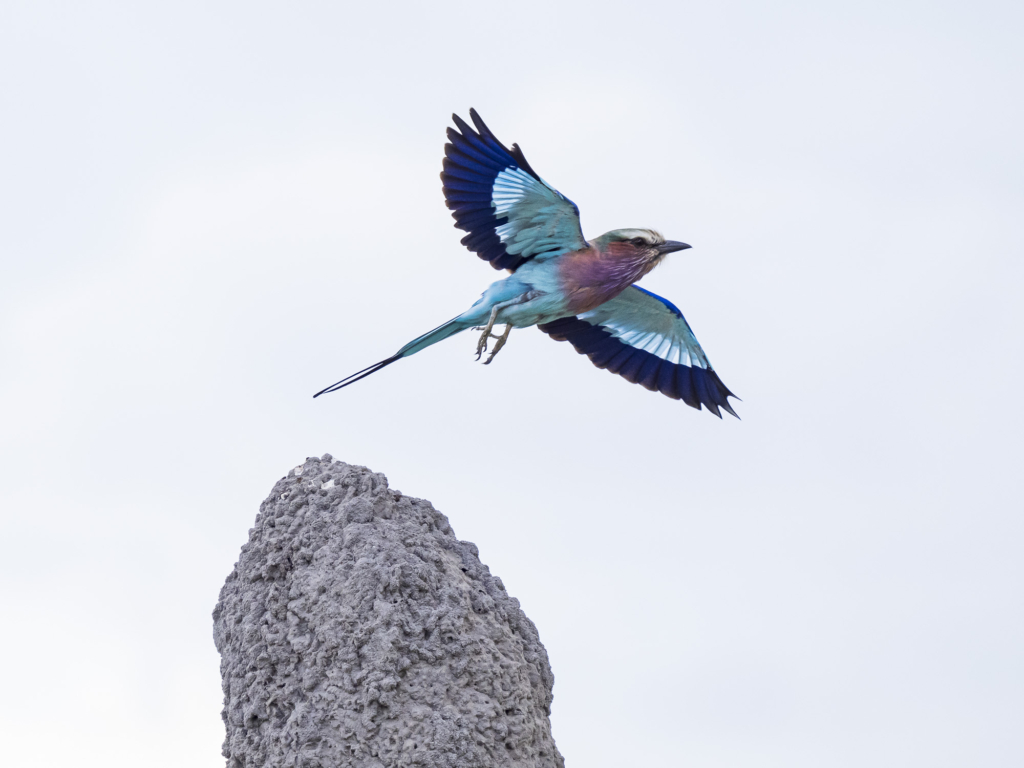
[{"x": 356, "y": 630}]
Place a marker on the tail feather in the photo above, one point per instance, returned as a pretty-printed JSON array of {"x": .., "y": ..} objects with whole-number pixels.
[
  {"x": 419, "y": 343},
  {"x": 358, "y": 375},
  {"x": 440, "y": 333}
]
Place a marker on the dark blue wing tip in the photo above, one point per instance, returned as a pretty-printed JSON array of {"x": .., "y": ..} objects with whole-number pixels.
[{"x": 486, "y": 135}]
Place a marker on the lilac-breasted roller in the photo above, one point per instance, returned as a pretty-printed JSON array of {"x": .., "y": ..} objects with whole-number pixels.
[{"x": 573, "y": 290}]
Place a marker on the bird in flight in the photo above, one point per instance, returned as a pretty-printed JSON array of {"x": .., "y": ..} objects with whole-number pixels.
[{"x": 573, "y": 290}]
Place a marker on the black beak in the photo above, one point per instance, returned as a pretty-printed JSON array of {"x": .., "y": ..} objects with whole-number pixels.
[{"x": 671, "y": 246}]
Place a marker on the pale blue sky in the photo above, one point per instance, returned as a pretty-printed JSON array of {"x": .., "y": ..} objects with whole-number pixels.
[{"x": 209, "y": 211}]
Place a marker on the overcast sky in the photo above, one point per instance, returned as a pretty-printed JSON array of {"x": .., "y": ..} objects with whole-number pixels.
[{"x": 209, "y": 211}]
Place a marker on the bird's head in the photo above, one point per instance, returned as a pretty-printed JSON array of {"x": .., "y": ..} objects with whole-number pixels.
[{"x": 645, "y": 244}]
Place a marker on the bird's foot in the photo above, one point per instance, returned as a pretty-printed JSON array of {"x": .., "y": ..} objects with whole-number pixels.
[
  {"x": 501, "y": 342},
  {"x": 481, "y": 346}
]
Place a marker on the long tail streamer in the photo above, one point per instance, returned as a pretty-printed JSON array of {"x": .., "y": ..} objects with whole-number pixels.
[{"x": 359, "y": 375}]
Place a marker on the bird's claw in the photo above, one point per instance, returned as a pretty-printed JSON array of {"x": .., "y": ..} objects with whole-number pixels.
[
  {"x": 501, "y": 343},
  {"x": 481, "y": 345}
]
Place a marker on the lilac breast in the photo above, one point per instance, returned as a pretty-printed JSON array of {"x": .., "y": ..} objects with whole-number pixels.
[{"x": 590, "y": 277}]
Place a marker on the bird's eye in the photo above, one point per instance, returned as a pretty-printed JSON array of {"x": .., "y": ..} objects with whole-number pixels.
[{"x": 638, "y": 241}]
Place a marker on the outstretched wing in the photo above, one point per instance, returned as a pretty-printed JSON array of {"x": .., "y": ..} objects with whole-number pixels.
[
  {"x": 646, "y": 340},
  {"x": 510, "y": 213}
]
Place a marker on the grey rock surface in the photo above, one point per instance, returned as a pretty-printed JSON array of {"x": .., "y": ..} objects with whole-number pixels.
[{"x": 356, "y": 630}]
